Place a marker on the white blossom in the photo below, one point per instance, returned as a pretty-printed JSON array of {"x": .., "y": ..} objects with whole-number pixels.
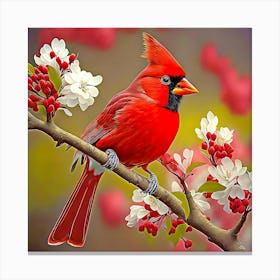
[
  {"x": 184, "y": 161},
  {"x": 235, "y": 191},
  {"x": 137, "y": 212},
  {"x": 200, "y": 201},
  {"x": 245, "y": 181},
  {"x": 227, "y": 172},
  {"x": 224, "y": 135},
  {"x": 155, "y": 204},
  {"x": 138, "y": 195},
  {"x": 80, "y": 88},
  {"x": 59, "y": 48},
  {"x": 234, "y": 177},
  {"x": 208, "y": 124}
]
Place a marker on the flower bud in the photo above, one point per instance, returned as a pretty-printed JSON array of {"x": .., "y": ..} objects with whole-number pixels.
[
  {"x": 52, "y": 54},
  {"x": 188, "y": 243},
  {"x": 204, "y": 146},
  {"x": 50, "y": 108}
]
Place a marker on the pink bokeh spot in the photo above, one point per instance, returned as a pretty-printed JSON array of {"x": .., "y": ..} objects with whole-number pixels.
[
  {"x": 100, "y": 38},
  {"x": 113, "y": 205},
  {"x": 236, "y": 91}
]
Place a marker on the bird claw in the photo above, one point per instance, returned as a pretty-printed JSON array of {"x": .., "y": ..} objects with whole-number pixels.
[
  {"x": 153, "y": 184},
  {"x": 113, "y": 160}
]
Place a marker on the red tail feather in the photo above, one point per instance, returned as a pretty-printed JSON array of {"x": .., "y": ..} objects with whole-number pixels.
[{"x": 72, "y": 224}]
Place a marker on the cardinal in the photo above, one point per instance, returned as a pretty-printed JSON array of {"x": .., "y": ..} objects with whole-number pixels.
[{"x": 136, "y": 127}]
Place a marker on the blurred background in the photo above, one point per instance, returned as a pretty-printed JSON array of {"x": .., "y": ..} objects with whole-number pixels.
[{"x": 216, "y": 60}]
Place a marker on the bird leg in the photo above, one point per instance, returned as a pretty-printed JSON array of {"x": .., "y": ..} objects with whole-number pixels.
[
  {"x": 113, "y": 160},
  {"x": 153, "y": 182}
]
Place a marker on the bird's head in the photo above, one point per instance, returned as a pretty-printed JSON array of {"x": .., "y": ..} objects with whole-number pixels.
[{"x": 163, "y": 79}]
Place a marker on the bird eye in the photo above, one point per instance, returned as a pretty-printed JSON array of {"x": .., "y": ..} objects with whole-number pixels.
[{"x": 165, "y": 80}]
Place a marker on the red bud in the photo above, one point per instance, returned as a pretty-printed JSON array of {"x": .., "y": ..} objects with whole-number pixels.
[
  {"x": 188, "y": 243},
  {"x": 213, "y": 136},
  {"x": 211, "y": 150},
  {"x": 204, "y": 146},
  {"x": 52, "y": 54},
  {"x": 72, "y": 57},
  {"x": 64, "y": 65},
  {"x": 50, "y": 108}
]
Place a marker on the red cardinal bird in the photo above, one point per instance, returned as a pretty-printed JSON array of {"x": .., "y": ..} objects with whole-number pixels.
[{"x": 138, "y": 124}]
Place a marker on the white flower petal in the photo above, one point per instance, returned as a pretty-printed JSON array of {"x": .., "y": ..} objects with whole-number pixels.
[
  {"x": 72, "y": 102},
  {"x": 83, "y": 106},
  {"x": 46, "y": 49},
  {"x": 156, "y": 205},
  {"x": 75, "y": 67},
  {"x": 177, "y": 158},
  {"x": 236, "y": 191},
  {"x": 245, "y": 181},
  {"x": 227, "y": 163},
  {"x": 93, "y": 91},
  {"x": 66, "y": 111},
  {"x": 76, "y": 88},
  {"x": 199, "y": 133},
  {"x": 218, "y": 195},
  {"x": 227, "y": 207},
  {"x": 69, "y": 78},
  {"x": 96, "y": 80},
  {"x": 138, "y": 195},
  {"x": 213, "y": 171}
]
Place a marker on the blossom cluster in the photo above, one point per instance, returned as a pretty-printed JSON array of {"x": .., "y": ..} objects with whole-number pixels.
[
  {"x": 58, "y": 80},
  {"x": 230, "y": 174},
  {"x": 215, "y": 142},
  {"x": 42, "y": 91},
  {"x": 147, "y": 214},
  {"x": 150, "y": 214},
  {"x": 237, "y": 182}
]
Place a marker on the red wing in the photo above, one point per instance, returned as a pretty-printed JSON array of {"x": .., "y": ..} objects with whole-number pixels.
[{"x": 106, "y": 121}]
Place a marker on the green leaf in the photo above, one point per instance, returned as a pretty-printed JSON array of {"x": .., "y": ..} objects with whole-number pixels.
[
  {"x": 194, "y": 165},
  {"x": 181, "y": 196},
  {"x": 54, "y": 77},
  {"x": 42, "y": 111},
  {"x": 31, "y": 70},
  {"x": 180, "y": 231},
  {"x": 168, "y": 223},
  {"x": 150, "y": 237},
  {"x": 211, "y": 186},
  {"x": 204, "y": 152}
]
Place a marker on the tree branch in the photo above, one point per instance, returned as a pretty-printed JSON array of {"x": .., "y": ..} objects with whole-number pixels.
[
  {"x": 226, "y": 239},
  {"x": 236, "y": 229},
  {"x": 62, "y": 136}
]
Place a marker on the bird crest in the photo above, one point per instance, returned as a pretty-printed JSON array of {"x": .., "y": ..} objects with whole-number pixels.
[{"x": 159, "y": 55}]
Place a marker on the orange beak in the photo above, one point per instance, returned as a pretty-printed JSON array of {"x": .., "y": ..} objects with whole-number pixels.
[{"x": 184, "y": 87}]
